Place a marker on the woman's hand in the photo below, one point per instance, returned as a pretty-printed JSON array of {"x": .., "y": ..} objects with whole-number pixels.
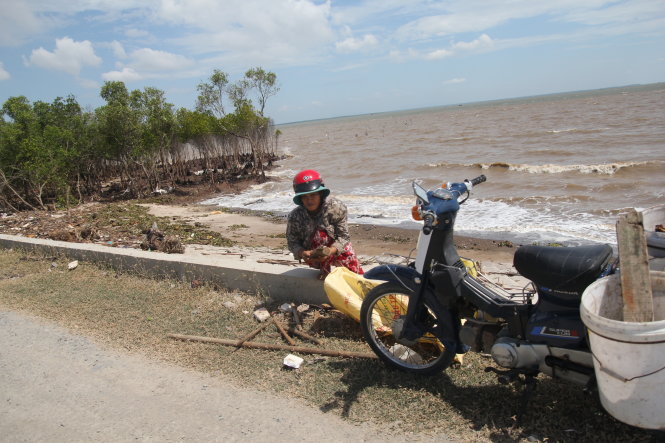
[
  {"x": 307, "y": 257},
  {"x": 314, "y": 256},
  {"x": 310, "y": 258}
]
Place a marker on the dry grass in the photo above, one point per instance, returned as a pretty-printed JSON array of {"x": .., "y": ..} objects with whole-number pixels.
[{"x": 134, "y": 313}]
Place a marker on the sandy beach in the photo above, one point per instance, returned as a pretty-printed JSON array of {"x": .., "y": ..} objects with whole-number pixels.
[{"x": 254, "y": 230}]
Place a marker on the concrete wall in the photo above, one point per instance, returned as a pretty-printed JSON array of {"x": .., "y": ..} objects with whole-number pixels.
[{"x": 278, "y": 282}]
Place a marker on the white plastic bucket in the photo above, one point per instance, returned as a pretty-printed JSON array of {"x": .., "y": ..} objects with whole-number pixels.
[
  {"x": 655, "y": 240},
  {"x": 628, "y": 357}
]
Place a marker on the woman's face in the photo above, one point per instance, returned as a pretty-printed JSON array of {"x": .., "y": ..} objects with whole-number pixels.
[{"x": 312, "y": 201}]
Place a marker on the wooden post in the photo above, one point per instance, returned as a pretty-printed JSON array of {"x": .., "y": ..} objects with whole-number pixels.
[{"x": 634, "y": 264}]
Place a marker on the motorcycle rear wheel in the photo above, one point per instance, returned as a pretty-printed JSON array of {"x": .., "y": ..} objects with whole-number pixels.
[{"x": 382, "y": 312}]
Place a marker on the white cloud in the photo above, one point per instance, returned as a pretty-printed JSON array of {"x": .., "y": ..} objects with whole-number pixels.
[
  {"x": 126, "y": 75},
  {"x": 147, "y": 59},
  {"x": 354, "y": 44},
  {"x": 147, "y": 63},
  {"x": 481, "y": 43},
  {"x": 136, "y": 33},
  {"x": 69, "y": 56},
  {"x": 442, "y": 25},
  {"x": 439, "y": 54},
  {"x": 253, "y": 31},
  {"x": 454, "y": 81},
  {"x": 17, "y": 22},
  {"x": 460, "y": 16},
  {"x": 118, "y": 49},
  {"x": 350, "y": 67},
  {"x": 618, "y": 12},
  {"x": 4, "y": 75}
]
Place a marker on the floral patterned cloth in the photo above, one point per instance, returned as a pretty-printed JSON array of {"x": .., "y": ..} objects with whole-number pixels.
[{"x": 346, "y": 258}]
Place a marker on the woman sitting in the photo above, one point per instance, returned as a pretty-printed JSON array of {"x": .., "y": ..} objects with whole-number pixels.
[{"x": 317, "y": 230}]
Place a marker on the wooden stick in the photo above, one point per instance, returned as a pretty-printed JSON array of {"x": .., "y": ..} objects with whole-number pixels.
[
  {"x": 250, "y": 344},
  {"x": 255, "y": 332},
  {"x": 304, "y": 335},
  {"x": 634, "y": 264},
  {"x": 281, "y": 330}
]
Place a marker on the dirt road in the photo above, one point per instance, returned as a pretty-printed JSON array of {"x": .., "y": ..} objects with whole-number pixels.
[{"x": 58, "y": 386}]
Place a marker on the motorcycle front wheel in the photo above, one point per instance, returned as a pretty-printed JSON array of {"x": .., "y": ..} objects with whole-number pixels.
[{"x": 381, "y": 318}]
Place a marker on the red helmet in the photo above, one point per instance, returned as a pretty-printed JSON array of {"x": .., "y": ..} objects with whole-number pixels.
[{"x": 307, "y": 182}]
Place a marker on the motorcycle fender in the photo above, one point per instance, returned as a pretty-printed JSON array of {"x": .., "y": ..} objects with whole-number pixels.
[{"x": 402, "y": 275}]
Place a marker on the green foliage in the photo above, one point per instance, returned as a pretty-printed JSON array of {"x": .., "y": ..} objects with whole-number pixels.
[
  {"x": 40, "y": 148},
  {"x": 217, "y": 90},
  {"x": 265, "y": 84},
  {"x": 192, "y": 124},
  {"x": 211, "y": 94},
  {"x": 58, "y": 153},
  {"x": 243, "y": 121}
]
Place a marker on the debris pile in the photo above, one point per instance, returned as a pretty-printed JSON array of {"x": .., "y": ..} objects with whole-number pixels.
[{"x": 155, "y": 240}]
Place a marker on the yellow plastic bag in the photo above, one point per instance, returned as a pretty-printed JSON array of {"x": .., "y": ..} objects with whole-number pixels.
[{"x": 346, "y": 290}]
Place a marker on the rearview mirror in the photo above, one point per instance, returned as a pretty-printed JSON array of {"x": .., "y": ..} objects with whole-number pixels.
[{"x": 420, "y": 192}]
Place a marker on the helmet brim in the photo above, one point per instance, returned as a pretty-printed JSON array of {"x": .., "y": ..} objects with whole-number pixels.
[{"x": 325, "y": 192}]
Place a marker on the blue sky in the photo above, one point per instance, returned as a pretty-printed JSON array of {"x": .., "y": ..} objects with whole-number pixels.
[{"x": 331, "y": 58}]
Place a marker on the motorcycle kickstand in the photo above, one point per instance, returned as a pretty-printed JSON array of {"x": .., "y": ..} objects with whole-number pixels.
[{"x": 529, "y": 388}]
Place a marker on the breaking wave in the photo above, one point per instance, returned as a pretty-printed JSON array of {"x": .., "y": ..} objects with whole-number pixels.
[
  {"x": 577, "y": 130},
  {"x": 601, "y": 168}
]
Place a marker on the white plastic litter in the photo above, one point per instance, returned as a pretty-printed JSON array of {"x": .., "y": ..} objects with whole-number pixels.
[
  {"x": 293, "y": 361},
  {"x": 73, "y": 265},
  {"x": 407, "y": 354},
  {"x": 261, "y": 314}
]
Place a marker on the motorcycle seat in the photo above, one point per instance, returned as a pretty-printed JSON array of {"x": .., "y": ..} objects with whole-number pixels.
[{"x": 568, "y": 269}]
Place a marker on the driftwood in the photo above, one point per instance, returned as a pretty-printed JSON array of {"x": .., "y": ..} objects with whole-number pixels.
[
  {"x": 281, "y": 330},
  {"x": 304, "y": 335},
  {"x": 249, "y": 344},
  {"x": 634, "y": 262},
  {"x": 254, "y": 333}
]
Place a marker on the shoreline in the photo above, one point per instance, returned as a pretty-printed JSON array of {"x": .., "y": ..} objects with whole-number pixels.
[
  {"x": 250, "y": 228},
  {"x": 247, "y": 228}
]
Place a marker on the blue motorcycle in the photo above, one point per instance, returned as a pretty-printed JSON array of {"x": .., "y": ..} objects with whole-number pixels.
[{"x": 436, "y": 307}]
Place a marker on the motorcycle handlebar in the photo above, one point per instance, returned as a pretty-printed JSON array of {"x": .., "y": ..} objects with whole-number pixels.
[
  {"x": 429, "y": 223},
  {"x": 478, "y": 180}
]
